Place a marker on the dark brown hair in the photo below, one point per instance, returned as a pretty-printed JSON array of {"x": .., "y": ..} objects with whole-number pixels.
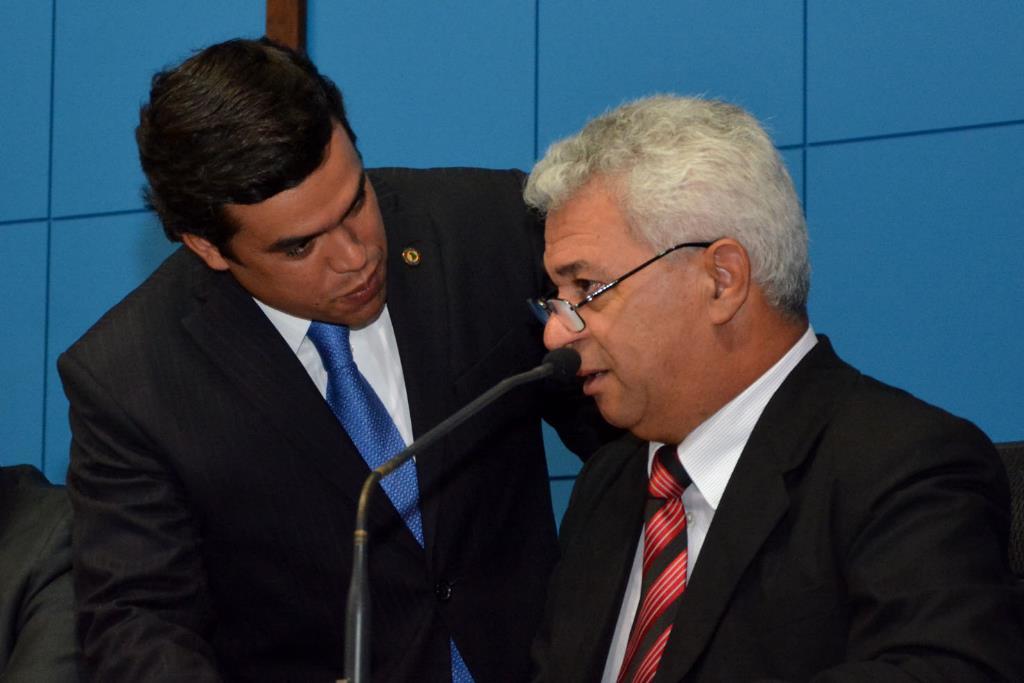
[{"x": 236, "y": 123}]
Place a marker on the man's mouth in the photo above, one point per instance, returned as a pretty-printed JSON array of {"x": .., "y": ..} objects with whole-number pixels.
[
  {"x": 366, "y": 290},
  {"x": 591, "y": 378}
]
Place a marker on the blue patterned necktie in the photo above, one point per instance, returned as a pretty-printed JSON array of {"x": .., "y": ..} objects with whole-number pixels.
[{"x": 367, "y": 422}]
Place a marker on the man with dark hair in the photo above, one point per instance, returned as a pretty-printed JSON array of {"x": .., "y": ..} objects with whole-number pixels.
[
  {"x": 221, "y": 432},
  {"x": 774, "y": 515}
]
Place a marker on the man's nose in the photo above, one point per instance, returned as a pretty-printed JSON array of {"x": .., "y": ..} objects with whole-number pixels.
[
  {"x": 345, "y": 253},
  {"x": 557, "y": 335}
]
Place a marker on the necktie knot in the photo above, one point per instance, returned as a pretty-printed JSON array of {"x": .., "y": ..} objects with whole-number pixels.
[
  {"x": 668, "y": 477},
  {"x": 332, "y": 343}
]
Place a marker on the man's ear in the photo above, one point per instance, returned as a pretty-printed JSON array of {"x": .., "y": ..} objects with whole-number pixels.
[
  {"x": 205, "y": 250},
  {"x": 728, "y": 265}
]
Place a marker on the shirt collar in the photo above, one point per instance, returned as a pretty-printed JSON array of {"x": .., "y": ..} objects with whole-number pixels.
[
  {"x": 710, "y": 452},
  {"x": 291, "y": 327}
]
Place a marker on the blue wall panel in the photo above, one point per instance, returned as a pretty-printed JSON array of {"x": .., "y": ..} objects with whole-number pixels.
[
  {"x": 95, "y": 262},
  {"x": 22, "y": 334},
  {"x": 561, "y": 461},
  {"x": 24, "y": 108},
  {"x": 452, "y": 82},
  {"x": 105, "y": 59},
  {"x": 889, "y": 66},
  {"x": 746, "y": 51},
  {"x": 432, "y": 83},
  {"x": 916, "y": 248},
  {"x": 561, "y": 491}
]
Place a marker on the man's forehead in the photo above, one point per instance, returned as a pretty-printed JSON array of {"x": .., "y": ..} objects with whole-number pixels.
[
  {"x": 589, "y": 229},
  {"x": 319, "y": 201},
  {"x": 570, "y": 241},
  {"x": 569, "y": 234},
  {"x": 590, "y": 254}
]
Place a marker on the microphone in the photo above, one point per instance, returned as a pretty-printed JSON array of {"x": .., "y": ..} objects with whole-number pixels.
[
  {"x": 560, "y": 365},
  {"x": 564, "y": 364}
]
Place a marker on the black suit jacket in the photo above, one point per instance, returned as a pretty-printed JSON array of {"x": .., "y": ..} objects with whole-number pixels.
[
  {"x": 37, "y": 635},
  {"x": 214, "y": 490},
  {"x": 862, "y": 537}
]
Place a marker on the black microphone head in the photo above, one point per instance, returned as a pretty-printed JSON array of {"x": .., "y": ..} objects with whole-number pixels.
[{"x": 564, "y": 363}]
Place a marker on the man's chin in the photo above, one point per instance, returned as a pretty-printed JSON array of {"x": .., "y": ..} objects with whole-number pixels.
[
  {"x": 614, "y": 413},
  {"x": 609, "y": 411},
  {"x": 367, "y": 315}
]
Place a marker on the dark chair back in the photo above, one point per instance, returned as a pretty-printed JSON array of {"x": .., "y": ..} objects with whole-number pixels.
[{"x": 1012, "y": 453}]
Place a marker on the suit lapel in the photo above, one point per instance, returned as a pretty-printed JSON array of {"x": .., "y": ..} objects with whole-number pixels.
[
  {"x": 755, "y": 499},
  {"x": 231, "y": 329},
  {"x": 419, "y": 313},
  {"x": 611, "y": 532}
]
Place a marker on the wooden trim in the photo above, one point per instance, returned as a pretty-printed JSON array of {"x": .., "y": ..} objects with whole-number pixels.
[{"x": 286, "y": 23}]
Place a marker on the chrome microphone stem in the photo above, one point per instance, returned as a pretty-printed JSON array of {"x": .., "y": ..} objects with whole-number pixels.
[
  {"x": 460, "y": 416},
  {"x": 562, "y": 363},
  {"x": 357, "y": 613}
]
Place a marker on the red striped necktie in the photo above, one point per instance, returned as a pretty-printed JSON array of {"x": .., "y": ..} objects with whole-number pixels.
[{"x": 664, "y": 569}]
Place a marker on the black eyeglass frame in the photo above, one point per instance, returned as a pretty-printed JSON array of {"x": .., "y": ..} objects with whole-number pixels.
[{"x": 568, "y": 312}]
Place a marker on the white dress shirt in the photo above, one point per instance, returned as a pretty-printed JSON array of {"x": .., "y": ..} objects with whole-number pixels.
[
  {"x": 374, "y": 350},
  {"x": 709, "y": 454}
]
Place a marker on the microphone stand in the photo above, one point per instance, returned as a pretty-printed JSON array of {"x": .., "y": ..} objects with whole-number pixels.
[{"x": 357, "y": 615}]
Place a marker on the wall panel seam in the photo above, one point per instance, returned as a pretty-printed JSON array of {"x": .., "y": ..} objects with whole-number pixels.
[
  {"x": 49, "y": 239},
  {"x": 803, "y": 133},
  {"x": 916, "y": 133},
  {"x": 536, "y": 79},
  {"x": 100, "y": 214}
]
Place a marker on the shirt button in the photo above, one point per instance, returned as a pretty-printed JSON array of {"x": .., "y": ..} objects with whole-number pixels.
[
  {"x": 443, "y": 591},
  {"x": 689, "y": 518}
]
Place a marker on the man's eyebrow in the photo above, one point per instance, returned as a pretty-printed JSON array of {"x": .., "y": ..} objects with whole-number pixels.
[
  {"x": 360, "y": 195},
  {"x": 287, "y": 243},
  {"x": 570, "y": 270}
]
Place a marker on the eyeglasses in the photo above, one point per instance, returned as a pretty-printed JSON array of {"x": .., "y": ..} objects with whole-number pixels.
[{"x": 569, "y": 314}]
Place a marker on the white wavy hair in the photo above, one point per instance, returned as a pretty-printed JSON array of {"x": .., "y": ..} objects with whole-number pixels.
[{"x": 684, "y": 170}]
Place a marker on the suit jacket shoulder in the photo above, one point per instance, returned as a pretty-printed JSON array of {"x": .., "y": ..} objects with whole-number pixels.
[
  {"x": 598, "y": 537},
  {"x": 480, "y": 217},
  {"x": 37, "y": 638},
  {"x": 481, "y": 251},
  {"x": 209, "y": 472},
  {"x": 855, "y": 509},
  {"x": 612, "y": 466},
  {"x": 154, "y": 308}
]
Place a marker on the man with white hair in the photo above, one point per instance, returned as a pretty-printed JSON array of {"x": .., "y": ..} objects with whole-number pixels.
[{"x": 774, "y": 514}]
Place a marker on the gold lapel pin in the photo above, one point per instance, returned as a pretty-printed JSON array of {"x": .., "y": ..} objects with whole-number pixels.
[{"x": 411, "y": 256}]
